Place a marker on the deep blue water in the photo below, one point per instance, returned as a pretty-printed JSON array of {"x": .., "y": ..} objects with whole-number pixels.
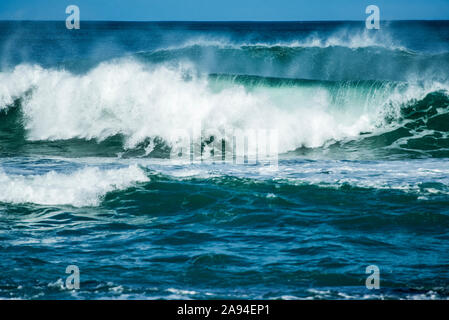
[{"x": 95, "y": 170}]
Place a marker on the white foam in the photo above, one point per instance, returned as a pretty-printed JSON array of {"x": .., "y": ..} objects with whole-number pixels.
[
  {"x": 140, "y": 101},
  {"x": 84, "y": 187}
]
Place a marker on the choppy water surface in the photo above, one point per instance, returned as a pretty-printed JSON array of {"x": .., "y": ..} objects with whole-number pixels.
[{"x": 87, "y": 175}]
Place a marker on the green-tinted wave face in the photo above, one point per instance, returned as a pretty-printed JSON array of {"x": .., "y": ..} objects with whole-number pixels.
[{"x": 420, "y": 130}]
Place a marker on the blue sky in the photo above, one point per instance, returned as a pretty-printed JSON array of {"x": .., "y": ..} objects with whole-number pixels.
[{"x": 223, "y": 10}]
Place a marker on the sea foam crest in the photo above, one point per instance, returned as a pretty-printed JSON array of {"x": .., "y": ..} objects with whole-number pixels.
[{"x": 84, "y": 187}]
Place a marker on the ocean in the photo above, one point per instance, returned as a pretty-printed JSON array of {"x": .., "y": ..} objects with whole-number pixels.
[{"x": 119, "y": 159}]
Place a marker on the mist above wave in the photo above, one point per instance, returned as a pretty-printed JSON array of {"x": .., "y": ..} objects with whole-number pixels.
[{"x": 339, "y": 38}]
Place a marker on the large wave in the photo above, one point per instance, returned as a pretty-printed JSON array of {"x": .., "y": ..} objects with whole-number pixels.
[{"x": 142, "y": 103}]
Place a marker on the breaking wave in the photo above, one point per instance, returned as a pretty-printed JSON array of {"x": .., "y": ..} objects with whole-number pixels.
[{"x": 145, "y": 103}]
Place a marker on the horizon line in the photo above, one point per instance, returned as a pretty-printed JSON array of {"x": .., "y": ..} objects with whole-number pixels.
[{"x": 209, "y": 21}]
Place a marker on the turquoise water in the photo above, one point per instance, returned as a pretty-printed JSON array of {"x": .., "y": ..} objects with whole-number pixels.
[{"x": 91, "y": 172}]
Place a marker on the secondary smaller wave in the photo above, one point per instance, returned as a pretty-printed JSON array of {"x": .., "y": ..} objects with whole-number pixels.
[
  {"x": 84, "y": 187},
  {"x": 342, "y": 38}
]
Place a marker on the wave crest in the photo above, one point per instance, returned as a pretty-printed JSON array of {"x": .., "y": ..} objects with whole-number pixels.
[
  {"x": 139, "y": 102},
  {"x": 84, "y": 187}
]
